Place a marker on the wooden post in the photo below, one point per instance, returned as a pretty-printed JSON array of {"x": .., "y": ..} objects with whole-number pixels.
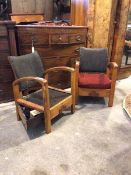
[
  {"x": 33, "y": 7},
  {"x": 79, "y": 12},
  {"x": 12, "y": 38},
  {"x": 120, "y": 30},
  {"x": 104, "y": 19},
  {"x": 99, "y": 16},
  {"x": 90, "y": 22},
  {"x": 7, "y": 47}
]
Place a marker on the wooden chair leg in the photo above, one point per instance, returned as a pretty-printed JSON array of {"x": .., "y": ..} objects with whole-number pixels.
[
  {"x": 76, "y": 96},
  {"x": 18, "y": 116},
  {"x": 72, "y": 108},
  {"x": 111, "y": 98},
  {"x": 17, "y": 113},
  {"x": 126, "y": 62},
  {"x": 47, "y": 123}
]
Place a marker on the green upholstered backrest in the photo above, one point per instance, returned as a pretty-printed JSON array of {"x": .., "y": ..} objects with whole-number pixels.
[
  {"x": 27, "y": 65},
  {"x": 93, "y": 59}
]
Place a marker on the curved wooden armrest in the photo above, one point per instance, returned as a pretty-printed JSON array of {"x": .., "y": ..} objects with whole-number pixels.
[
  {"x": 112, "y": 65},
  {"x": 18, "y": 95},
  {"x": 39, "y": 80},
  {"x": 128, "y": 43},
  {"x": 61, "y": 68}
]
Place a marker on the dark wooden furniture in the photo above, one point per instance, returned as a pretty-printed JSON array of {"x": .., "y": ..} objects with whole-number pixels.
[
  {"x": 5, "y": 9},
  {"x": 95, "y": 76},
  {"x": 26, "y": 17},
  {"x": 127, "y": 50},
  {"x": 7, "y": 47},
  {"x": 49, "y": 101},
  {"x": 57, "y": 46},
  {"x": 127, "y": 104}
]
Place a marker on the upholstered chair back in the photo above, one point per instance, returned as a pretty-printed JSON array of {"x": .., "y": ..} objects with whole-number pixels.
[
  {"x": 27, "y": 65},
  {"x": 93, "y": 59},
  {"x": 128, "y": 35}
]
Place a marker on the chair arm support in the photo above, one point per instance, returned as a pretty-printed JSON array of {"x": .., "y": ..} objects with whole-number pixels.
[
  {"x": 39, "y": 80},
  {"x": 72, "y": 74},
  {"x": 61, "y": 68},
  {"x": 112, "y": 70},
  {"x": 77, "y": 66},
  {"x": 112, "y": 65},
  {"x": 43, "y": 82}
]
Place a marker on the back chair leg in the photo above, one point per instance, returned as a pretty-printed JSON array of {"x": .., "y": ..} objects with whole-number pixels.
[
  {"x": 126, "y": 62},
  {"x": 72, "y": 108},
  {"x": 76, "y": 96},
  {"x": 111, "y": 98}
]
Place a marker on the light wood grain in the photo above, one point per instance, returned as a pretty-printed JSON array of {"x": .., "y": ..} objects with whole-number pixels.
[
  {"x": 112, "y": 73},
  {"x": 33, "y": 7},
  {"x": 48, "y": 111}
]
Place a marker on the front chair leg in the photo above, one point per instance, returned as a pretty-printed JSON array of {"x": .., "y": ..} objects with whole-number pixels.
[
  {"x": 47, "y": 123},
  {"x": 111, "y": 98},
  {"x": 17, "y": 113}
]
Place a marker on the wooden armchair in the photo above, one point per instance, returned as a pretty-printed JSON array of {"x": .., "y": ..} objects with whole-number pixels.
[
  {"x": 95, "y": 76},
  {"x": 18, "y": 18},
  {"x": 127, "y": 46},
  {"x": 29, "y": 72}
]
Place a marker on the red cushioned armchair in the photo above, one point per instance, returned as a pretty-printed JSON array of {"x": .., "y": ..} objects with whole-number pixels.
[{"x": 95, "y": 76}]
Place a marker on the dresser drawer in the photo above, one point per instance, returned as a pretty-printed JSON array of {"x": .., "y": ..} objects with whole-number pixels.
[
  {"x": 6, "y": 75},
  {"x": 38, "y": 39},
  {"x": 59, "y": 39},
  {"x": 59, "y": 78},
  {"x": 4, "y": 58},
  {"x": 77, "y": 38},
  {"x": 4, "y": 45},
  {"x": 54, "y": 50},
  {"x": 3, "y": 31},
  {"x": 6, "y": 92},
  {"x": 67, "y": 38},
  {"x": 56, "y": 61}
]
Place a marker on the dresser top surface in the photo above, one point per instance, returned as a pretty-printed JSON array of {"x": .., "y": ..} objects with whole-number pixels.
[{"x": 50, "y": 26}]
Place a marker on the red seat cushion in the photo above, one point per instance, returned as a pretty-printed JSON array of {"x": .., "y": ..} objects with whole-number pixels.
[{"x": 95, "y": 81}]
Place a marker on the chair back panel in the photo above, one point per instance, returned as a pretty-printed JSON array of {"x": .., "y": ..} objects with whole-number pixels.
[
  {"x": 127, "y": 49},
  {"x": 93, "y": 59},
  {"x": 27, "y": 65},
  {"x": 128, "y": 35}
]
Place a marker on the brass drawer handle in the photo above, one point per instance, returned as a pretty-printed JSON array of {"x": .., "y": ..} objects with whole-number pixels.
[
  {"x": 78, "y": 38},
  {"x": 33, "y": 38},
  {"x": 77, "y": 50},
  {"x": 60, "y": 39}
]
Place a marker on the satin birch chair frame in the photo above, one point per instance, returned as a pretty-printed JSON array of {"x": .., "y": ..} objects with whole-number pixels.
[
  {"x": 111, "y": 73},
  {"x": 52, "y": 100}
]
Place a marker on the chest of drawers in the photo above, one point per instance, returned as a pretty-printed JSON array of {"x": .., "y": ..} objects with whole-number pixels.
[
  {"x": 7, "y": 47},
  {"x": 57, "y": 46}
]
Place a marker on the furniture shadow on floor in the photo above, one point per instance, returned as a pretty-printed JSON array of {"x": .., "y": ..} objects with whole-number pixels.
[
  {"x": 127, "y": 105},
  {"x": 88, "y": 100},
  {"x": 126, "y": 115},
  {"x": 37, "y": 127}
]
